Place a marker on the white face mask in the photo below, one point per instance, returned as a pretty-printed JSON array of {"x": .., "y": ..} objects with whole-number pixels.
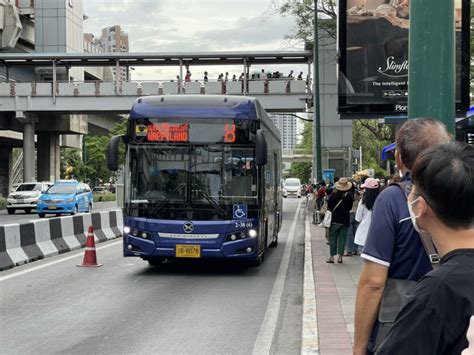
[{"x": 413, "y": 217}]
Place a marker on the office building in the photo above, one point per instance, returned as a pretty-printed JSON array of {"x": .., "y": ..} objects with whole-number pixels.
[
  {"x": 286, "y": 124},
  {"x": 113, "y": 39}
]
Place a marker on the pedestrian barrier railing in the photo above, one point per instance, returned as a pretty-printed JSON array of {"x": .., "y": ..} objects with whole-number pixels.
[{"x": 139, "y": 88}]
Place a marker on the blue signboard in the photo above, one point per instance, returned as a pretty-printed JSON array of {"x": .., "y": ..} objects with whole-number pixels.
[
  {"x": 328, "y": 174},
  {"x": 240, "y": 212}
]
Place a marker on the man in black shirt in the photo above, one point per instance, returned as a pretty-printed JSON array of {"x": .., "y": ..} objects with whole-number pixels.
[{"x": 437, "y": 318}]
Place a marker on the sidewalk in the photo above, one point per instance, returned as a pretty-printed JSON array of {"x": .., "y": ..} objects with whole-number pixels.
[{"x": 335, "y": 288}]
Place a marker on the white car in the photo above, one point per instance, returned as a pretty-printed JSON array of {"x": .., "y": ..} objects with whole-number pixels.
[
  {"x": 292, "y": 186},
  {"x": 26, "y": 196}
]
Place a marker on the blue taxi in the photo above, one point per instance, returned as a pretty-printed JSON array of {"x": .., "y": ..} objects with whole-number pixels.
[{"x": 65, "y": 196}]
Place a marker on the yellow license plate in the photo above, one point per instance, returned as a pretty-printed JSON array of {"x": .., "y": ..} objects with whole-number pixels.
[
  {"x": 52, "y": 207},
  {"x": 188, "y": 251}
]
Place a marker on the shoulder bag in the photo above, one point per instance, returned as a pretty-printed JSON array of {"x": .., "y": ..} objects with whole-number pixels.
[{"x": 328, "y": 214}]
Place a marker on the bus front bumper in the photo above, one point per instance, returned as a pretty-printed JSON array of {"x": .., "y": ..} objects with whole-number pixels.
[{"x": 239, "y": 249}]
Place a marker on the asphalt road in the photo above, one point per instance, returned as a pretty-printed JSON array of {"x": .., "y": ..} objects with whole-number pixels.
[
  {"x": 129, "y": 307},
  {"x": 22, "y": 217}
]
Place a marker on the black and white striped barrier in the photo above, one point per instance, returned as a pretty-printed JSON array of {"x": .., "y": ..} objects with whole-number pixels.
[{"x": 22, "y": 243}]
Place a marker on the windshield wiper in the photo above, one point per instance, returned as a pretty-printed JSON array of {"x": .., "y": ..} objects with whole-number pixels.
[
  {"x": 212, "y": 201},
  {"x": 166, "y": 200}
]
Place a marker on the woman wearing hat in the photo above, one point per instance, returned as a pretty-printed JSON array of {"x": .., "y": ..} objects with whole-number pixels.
[{"x": 340, "y": 204}]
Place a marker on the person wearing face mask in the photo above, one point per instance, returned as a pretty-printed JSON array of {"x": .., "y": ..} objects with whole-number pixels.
[
  {"x": 437, "y": 316},
  {"x": 392, "y": 250}
]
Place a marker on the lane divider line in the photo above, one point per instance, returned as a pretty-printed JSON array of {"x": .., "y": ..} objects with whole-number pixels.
[
  {"x": 39, "y": 267},
  {"x": 267, "y": 330},
  {"x": 309, "y": 333}
]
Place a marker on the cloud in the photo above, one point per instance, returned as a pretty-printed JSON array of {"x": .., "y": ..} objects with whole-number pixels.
[{"x": 190, "y": 26}]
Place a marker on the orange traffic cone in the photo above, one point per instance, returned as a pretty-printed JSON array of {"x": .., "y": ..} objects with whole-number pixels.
[{"x": 90, "y": 258}]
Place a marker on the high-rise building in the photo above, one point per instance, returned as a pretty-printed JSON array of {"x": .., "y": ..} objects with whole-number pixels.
[
  {"x": 286, "y": 124},
  {"x": 113, "y": 39}
]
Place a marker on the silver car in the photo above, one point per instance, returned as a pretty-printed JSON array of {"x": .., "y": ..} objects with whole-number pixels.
[{"x": 26, "y": 196}]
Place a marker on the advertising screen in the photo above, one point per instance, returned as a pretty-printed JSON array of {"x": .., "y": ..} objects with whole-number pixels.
[{"x": 373, "y": 63}]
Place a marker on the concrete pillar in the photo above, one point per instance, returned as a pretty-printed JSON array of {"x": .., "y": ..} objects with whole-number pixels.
[
  {"x": 5, "y": 169},
  {"x": 49, "y": 158},
  {"x": 28, "y": 121}
]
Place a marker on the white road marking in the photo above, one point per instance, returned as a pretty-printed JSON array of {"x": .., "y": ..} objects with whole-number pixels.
[
  {"x": 309, "y": 333},
  {"x": 39, "y": 267},
  {"x": 267, "y": 330}
]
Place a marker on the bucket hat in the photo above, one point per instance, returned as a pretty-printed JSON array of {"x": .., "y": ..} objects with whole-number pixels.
[{"x": 343, "y": 184}]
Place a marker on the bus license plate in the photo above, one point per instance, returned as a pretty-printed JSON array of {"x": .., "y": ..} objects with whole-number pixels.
[{"x": 188, "y": 251}]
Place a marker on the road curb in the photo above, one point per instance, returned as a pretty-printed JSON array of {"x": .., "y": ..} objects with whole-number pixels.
[
  {"x": 309, "y": 333},
  {"x": 26, "y": 242}
]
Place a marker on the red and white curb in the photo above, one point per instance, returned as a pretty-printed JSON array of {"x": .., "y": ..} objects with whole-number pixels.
[{"x": 309, "y": 333}]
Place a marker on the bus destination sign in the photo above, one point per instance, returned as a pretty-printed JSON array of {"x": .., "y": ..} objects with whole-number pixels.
[
  {"x": 184, "y": 132},
  {"x": 166, "y": 132}
]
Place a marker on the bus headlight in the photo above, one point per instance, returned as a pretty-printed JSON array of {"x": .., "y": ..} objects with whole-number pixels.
[
  {"x": 252, "y": 233},
  {"x": 126, "y": 229}
]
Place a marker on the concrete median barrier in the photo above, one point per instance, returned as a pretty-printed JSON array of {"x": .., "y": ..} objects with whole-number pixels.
[{"x": 26, "y": 242}]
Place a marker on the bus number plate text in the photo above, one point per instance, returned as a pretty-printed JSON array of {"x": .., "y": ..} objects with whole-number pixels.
[{"x": 188, "y": 251}]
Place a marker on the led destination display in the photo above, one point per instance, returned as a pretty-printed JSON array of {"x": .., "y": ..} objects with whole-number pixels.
[
  {"x": 227, "y": 131},
  {"x": 166, "y": 132}
]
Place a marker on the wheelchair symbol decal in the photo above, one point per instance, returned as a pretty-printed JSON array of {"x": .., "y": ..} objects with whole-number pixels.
[{"x": 240, "y": 211}]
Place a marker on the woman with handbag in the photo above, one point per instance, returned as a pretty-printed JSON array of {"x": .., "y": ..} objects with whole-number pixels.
[{"x": 339, "y": 206}]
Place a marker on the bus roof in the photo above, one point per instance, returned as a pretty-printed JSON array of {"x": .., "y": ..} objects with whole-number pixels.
[{"x": 197, "y": 106}]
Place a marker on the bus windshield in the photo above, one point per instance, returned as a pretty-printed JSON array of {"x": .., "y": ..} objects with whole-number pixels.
[{"x": 192, "y": 175}]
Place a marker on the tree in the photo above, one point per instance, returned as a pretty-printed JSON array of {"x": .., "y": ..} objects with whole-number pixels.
[
  {"x": 307, "y": 137},
  {"x": 303, "y": 13},
  {"x": 301, "y": 170},
  {"x": 94, "y": 155},
  {"x": 372, "y": 137},
  {"x": 71, "y": 157}
]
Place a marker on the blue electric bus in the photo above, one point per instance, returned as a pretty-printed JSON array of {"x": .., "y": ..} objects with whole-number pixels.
[{"x": 202, "y": 178}]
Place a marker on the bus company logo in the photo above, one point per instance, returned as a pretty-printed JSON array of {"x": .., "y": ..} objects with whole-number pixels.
[
  {"x": 141, "y": 130},
  {"x": 394, "y": 69},
  {"x": 188, "y": 227}
]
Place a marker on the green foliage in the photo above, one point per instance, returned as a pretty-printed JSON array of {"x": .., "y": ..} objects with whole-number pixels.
[
  {"x": 301, "y": 170},
  {"x": 372, "y": 137},
  {"x": 3, "y": 203},
  {"x": 303, "y": 13},
  {"x": 307, "y": 137},
  {"x": 95, "y": 159},
  {"x": 104, "y": 197},
  {"x": 93, "y": 166},
  {"x": 72, "y": 157}
]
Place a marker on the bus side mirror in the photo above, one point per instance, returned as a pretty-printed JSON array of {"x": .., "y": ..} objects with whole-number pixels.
[
  {"x": 261, "y": 151},
  {"x": 112, "y": 153}
]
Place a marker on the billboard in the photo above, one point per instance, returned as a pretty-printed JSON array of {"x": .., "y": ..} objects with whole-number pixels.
[{"x": 373, "y": 57}]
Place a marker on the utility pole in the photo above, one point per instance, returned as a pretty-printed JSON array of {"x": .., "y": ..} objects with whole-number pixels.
[
  {"x": 431, "y": 73},
  {"x": 317, "y": 171}
]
